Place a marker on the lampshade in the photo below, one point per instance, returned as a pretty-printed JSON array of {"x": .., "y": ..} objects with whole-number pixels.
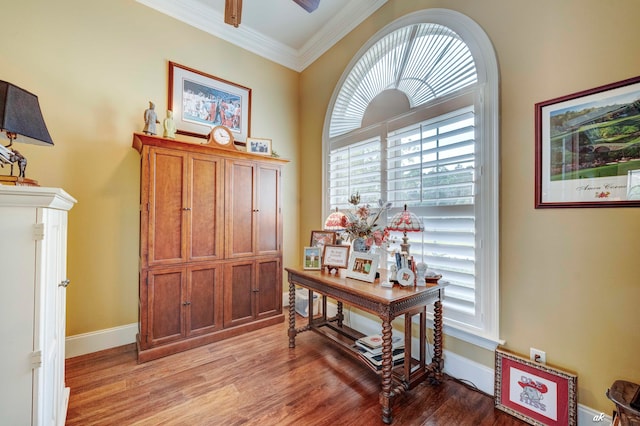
[
  {"x": 20, "y": 116},
  {"x": 336, "y": 221},
  {"x": 404, "y": 222}
]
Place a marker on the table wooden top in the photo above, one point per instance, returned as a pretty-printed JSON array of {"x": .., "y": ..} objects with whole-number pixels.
[{"x": 371, "y": 291}]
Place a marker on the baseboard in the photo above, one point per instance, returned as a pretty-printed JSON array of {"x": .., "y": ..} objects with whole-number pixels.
[
  {"x": 474, "y": 374},
  {"x": 81, "y": 344},
  {"x": 464, "y": 369}
]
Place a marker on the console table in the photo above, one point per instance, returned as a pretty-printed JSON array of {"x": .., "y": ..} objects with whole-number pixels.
[{"x": 387, "y": 304}]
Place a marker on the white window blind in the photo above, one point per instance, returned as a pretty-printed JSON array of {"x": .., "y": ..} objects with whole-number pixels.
[
  {"x": 355, "y": 168},
  {"x": 431, "y": 169}
]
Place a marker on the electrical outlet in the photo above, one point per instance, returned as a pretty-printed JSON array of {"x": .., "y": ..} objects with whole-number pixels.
[{"x": 538, "y": 356}]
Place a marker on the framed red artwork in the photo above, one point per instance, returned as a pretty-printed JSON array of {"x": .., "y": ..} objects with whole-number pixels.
[{"x": 533, "y": 392}]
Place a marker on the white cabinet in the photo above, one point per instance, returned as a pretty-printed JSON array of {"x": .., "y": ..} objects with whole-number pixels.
[{"x": 33, "y": 280}]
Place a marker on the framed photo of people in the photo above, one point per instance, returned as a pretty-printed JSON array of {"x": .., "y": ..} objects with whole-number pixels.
[{"x": 200, "y": 101}]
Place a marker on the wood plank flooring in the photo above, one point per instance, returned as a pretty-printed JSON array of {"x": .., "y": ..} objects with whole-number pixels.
[{"x": 255, "y": 379}]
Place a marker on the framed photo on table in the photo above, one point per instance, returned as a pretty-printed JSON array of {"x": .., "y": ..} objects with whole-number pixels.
[
  {"x": 312, "y": 258},
  {"x": 533, "y": 392},
  {"x": 201, "y": 101},
  {"x": 363, "y": 266},
  {"x": 335, "y": 256},
  {"x": 588, "y": 148},
  {"x": 321, "y": 238}
]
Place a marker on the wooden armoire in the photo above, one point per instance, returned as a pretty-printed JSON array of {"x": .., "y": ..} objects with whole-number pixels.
[{"x": 210, "y": 244}]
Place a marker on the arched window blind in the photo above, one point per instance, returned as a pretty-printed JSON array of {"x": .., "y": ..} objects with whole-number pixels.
[
  {"x": 424, "y": 61},
  {"x": 413, "y": 121}
]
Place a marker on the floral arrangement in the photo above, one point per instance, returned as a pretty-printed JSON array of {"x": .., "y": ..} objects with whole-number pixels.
[{"x": 362, "y": 222}]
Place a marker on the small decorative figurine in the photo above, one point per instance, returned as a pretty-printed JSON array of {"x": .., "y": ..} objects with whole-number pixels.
[
  {"x": 150, "y": 119},
  {"x": 394, "y": 271},
  {"x": 169, "y": 126}
]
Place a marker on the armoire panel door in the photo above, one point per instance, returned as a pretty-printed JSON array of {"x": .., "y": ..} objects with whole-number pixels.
[
  {"x": 240, "y": 209},
  {"x": 165, "y": 293},
  {"x": 268, "y": 214},
  {"x": 206, "y": 208},
  {"x": 239, "y": 286},
  {"x": 268, "y": 281},
  {"x": 204, "y": 308},
  {"x": 167, "y": 200}
]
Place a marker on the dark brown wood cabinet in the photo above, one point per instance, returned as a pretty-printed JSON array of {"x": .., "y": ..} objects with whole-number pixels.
[{"x": 210, "y": 244}]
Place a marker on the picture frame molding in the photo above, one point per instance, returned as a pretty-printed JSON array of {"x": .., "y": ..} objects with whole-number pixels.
[
  {"x": 194, "y": 128},
  {"x": 608, "y": 191},
  {"x": 566, "y": 385},
  {"x": 373, "y": 260}
]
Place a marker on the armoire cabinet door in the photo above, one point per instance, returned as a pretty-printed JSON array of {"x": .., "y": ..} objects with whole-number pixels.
[
  {"x": 240, "y": 208},
  {"x": 186, "y": 207},
  {"x": 205, "y": 208},
  {"x": 165, "y": 298},
  {"x": 268, "y": 215},
  {"x": 269, "y": 285},
  {"x": 167, "y": 199},
  {"x": 239, "y": 286},
  {"x": 204, "y": 304},
  {"x": 253, "y": 225}
]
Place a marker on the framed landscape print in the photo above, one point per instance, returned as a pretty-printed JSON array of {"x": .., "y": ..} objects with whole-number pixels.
[
  {"x": 535, "y": 393},
  {"x": 588, "y": 148},
  {"x": 201, "y": 101}
]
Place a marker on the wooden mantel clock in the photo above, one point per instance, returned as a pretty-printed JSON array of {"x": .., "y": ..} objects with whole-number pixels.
[{"x": 222, "y": 137}]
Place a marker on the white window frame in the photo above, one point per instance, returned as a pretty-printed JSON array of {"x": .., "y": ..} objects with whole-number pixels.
[{"x": 485, "y": 332}]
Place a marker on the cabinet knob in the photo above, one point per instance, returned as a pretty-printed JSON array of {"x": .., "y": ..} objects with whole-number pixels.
[
  {"x": 64, "y": 283},
  {"x": 186, "y": 303},
  {"x": 255, "y": 290},
  {"x": 186, "y": 208}
]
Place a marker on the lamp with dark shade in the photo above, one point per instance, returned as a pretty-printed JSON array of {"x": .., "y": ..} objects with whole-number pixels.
[
  {"x": 404, "y": 222},
  {"x": 20, "y": 121}
]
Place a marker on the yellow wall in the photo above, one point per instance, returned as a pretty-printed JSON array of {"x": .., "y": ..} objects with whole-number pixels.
[
  {"x": 95, "y": 66},
  {"x": 568, "y": 278},
  {"x": 568, "y": 285}
]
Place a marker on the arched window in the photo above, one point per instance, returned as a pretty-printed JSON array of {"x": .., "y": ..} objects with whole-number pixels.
[{"x": 414, "y": 121}]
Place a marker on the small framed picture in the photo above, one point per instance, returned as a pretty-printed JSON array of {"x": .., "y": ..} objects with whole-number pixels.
[
  {"x": 322, "y": 238},
  {"x": 259, "y": 146},
  {"x": 406, "y": 277},
  {"x": 363, "y": 266},
  {"x": 533, "y": 392},
  {"x": 312, "y": 258},
  {"x": 335, "y": 256}
]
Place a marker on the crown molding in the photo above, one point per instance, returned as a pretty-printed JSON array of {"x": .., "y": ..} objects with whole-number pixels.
[{"x": 207, "y": 19}]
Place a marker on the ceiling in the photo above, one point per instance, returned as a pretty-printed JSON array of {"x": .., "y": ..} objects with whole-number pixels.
[{"x": 278, "y": 30}]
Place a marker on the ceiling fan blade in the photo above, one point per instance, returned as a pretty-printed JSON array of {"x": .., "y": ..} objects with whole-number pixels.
[
  {"x": 233, "y": 12},
  {"x": 308, "y": 5}
]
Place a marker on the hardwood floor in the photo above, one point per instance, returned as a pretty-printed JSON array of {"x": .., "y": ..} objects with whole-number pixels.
[{"x": 255, "y": 379}]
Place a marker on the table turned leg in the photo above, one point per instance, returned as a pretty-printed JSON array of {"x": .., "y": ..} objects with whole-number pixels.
[
  {"x": 437, "y": 361},
  {"x": 340, "y": 315},
  {"x": 292, "y": 315},
  {"x": 387, "y": 365}
]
